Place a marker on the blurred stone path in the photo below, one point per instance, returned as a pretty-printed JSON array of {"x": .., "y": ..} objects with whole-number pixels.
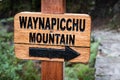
[{"x": 108, "y": 58}]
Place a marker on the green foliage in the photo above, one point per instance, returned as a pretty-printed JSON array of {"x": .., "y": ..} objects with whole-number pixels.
[
  {"x": 115, "y": 22},
  {"x": 93, "y": 51},
  {"x": 81, "y": 6},
  {"x": 12, "y": 68},
  {"x": 79, "y": 71},
  {"x": 83, "y": 71},
  {"x": 9, "y": 8},
  {"x": 7, "y": 20}
]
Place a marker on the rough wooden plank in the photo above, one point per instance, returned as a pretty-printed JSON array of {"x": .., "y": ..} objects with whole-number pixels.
[
  {"x": 52, "y": 70},
  {"x": 22, "y": 52},
  {"x": 82, "y": 38},
  {"x": 53, "y": 6},
  {"x": 23, "y": 41}
]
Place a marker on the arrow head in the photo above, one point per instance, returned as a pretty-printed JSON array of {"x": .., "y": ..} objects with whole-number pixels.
[{"x": 70, "y": 53}]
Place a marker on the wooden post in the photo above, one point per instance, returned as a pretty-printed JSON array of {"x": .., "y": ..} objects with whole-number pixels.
[{"x": 52, "y": 70}]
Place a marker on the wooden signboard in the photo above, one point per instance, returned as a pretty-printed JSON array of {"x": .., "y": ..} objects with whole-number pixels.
[{"x": 52, "y": 37}]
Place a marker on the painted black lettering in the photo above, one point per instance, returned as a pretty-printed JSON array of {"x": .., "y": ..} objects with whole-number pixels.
[
  {"x": 68, "y": 24},
  {"x": 57, "y": 38},
  {"x": 72, "y": 39},
  {"x": 82, "y": 25},
  {"x": 53, "y": 23},
  {"x": 67, "y": 39},
  {"x": 45, "y": 38},
  {"x": 62, "y": 40},
  {"x": 47, "y": 24},
  {"x": 75, "y": 24},
  {"x": 32, "y": 37},
  {"x": 35, "y": 22},
  {"x": 39, "y": 37},
  {"x": 62, "y": 21},
  {"x": 22, "y": 21},
  {"x": 41, "y": 23},
  {"x": 29, "y": 23},
  {"x": 58, "y": 25},
  {"x": 51, "y": 38}
]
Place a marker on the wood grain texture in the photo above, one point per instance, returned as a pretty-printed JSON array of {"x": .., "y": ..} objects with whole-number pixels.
[
  {"x": 52, "y": 70},
  {"x": 53, "y": 6},
  {"x": 81, "y": 38},
  {"x": 82, "y": 41},
  {"x": 22, "y": 52}
]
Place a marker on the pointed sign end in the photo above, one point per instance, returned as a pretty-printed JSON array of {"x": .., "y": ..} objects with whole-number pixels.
[{"x": 70, "y": 53}]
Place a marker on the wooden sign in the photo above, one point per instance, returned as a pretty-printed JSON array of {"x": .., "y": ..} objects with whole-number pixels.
[{"x": 52, "y": 37}]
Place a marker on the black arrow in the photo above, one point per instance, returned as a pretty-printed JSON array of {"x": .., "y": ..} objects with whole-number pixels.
[{"x": 66, "y": 53}]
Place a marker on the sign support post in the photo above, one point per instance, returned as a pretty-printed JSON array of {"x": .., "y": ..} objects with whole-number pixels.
[{"x": 52, "y": 70}]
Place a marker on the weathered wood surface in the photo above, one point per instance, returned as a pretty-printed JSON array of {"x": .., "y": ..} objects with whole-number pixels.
[
  {"x": 52, "y": 70},
  {"x": 53, "y": 6},
  {"x": 81, "y": 42},
  {"x": 82, "y": 38},
  {"x": 22, "y": 52}
]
